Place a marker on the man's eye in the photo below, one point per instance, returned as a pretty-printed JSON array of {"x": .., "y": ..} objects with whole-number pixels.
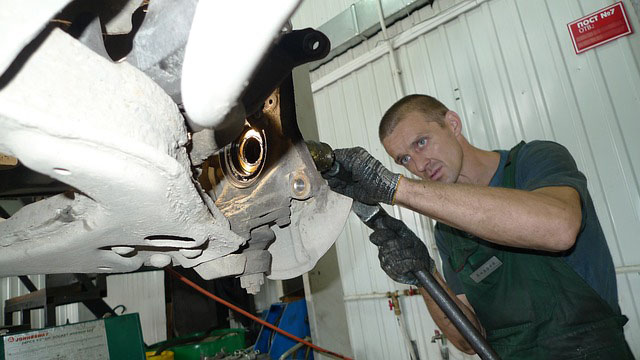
[
  {"x": 422, "y": 142},
  {"x": 405, "y": 160}
]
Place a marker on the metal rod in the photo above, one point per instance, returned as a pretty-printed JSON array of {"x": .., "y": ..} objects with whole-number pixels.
[
  {"x": 395, "y": 69},
  {"x": 293, "y": 349},
  {"x": 384, "y": 295},
  {"x": 365, "y": 296},
  {"x": 27, "y": 283},
  {"x": 628, "y": 269},
  {"x": 457, "y": 317},
  {"x": 372, "y": 216},
  {"x": 405, "y": 333}
]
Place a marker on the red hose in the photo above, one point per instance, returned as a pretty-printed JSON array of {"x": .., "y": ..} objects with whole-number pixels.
[{"x": 230, "y": 305}]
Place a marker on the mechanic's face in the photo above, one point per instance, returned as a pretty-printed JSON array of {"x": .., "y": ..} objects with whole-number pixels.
[{"x": 426, "y": 148}]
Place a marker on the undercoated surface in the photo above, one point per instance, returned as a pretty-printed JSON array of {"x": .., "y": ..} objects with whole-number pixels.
[
  {"x": 20, "y": 24},
  {"x": 129, "y": 163},
  {"x": 315, "y": 224},
  {"x": 159, "y": 43},
  {"x": 120, "y": 23},
  {"x": 509, "y": 69}
]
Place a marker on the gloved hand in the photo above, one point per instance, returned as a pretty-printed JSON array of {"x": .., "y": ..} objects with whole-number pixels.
[
  {"x": 400, "y": 251},
  {"x": 363, "y": 178}
]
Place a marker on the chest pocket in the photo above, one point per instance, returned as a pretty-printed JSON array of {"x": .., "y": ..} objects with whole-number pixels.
[{"x": 501, "y": 298}]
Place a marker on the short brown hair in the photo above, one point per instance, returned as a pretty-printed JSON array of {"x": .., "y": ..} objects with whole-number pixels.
[{"x": 424, "y": 104}]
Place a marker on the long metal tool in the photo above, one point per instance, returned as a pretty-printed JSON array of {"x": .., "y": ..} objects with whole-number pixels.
[{"x": 372, "y": 216}]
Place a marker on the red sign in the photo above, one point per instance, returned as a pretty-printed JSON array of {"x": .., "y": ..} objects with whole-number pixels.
[{"x": 599, "y": 27}]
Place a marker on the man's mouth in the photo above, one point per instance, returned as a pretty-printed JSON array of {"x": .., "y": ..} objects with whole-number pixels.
[{"x": 436, "y": 173}]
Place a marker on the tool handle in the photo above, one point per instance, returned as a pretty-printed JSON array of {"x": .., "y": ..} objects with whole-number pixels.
[{"x": 457, "y": 317}]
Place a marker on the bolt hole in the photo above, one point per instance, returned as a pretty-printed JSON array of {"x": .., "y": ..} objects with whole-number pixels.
[
  {"x": 62, "y": 171},
  {"x": 315, "y": 45},
  {"x": 251, "y": 150}
]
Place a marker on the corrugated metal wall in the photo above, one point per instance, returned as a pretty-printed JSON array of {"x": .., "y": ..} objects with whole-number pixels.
[
  {"x": 141, "y": 293},
  {"x": 509, "y": 69}
]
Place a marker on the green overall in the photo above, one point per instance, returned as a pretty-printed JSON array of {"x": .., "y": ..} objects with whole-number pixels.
[{"x": 533, "y": 305}]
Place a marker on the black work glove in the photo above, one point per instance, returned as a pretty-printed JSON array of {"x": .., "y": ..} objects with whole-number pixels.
[
  {"x": 401, "y": 252},
  {"x": 363, "y": 178}
]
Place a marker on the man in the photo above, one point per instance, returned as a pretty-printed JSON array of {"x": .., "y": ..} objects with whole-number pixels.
[{"x": 522, "y": 247}]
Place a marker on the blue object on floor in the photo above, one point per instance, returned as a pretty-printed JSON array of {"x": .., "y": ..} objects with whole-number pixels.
[
  {"x": 264, "y": 338},
  {"x": 290, "y": 317}
]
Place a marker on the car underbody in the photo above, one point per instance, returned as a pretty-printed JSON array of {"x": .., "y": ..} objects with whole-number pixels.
[{"x": 159, "y": 133}]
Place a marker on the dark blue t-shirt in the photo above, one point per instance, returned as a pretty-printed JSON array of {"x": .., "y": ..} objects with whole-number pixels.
[{"x": 545, "y": 163}]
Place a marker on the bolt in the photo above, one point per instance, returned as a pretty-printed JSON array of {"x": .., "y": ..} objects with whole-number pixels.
[{"x": 299, "y": 186}]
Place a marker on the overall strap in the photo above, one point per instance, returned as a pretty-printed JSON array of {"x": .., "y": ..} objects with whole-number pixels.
[{"x": 509, "y": 178}]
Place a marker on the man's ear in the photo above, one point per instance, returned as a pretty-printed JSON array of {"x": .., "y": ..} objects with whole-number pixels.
[{"x": 452, "y": 120}]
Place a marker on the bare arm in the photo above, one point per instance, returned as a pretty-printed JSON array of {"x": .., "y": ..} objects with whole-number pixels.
[
  {"x": 547, "y": 218},
  {"x": 443, "y": 321}
]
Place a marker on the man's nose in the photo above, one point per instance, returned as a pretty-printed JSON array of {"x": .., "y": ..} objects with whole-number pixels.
[{"x": 421, "y": 162}]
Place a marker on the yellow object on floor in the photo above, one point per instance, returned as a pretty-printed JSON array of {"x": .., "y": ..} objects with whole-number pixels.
[{"x": 165, "y": 355}]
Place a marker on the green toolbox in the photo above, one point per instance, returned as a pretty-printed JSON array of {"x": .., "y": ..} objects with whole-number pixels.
[
  {"x": 113, "y": 338},
  {"x": 198, "y": 345}
]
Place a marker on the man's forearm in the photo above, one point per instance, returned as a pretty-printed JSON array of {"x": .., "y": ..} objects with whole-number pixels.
[
  {"x": 543, "y": 219},
  {"x": 443, "y": 322}
]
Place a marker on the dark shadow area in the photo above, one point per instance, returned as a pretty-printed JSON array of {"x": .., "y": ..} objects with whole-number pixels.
[{"x": 189, "y": 311}]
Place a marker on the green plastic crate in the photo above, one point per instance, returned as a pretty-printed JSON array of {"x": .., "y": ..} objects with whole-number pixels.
[{"x": 228, "y": 340}]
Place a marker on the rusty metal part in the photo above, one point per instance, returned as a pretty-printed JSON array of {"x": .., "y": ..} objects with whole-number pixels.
[
  {"x": 267, "y": 155},
  {"x": 7, "y": 162},
  {"x": 287, "y": 208},
  {"x": 251, "y": 151},
  {"x": 244, "y": 159}
]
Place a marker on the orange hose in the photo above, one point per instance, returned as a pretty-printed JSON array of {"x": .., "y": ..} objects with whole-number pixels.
[{"x": 241, "y": 311}]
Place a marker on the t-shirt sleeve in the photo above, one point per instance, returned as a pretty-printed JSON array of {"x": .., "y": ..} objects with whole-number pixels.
[
  {"x": 546, "y": 163},
  {"x": 450, "y": 276}
]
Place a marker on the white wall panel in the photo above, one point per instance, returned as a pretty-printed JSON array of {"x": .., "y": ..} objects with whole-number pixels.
[
  {"x": 313, "y": 13},
  {"x": 270, "y": 293},
  {"x": 509, "y": 69},
  {"x": 141, "y": 293}
]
